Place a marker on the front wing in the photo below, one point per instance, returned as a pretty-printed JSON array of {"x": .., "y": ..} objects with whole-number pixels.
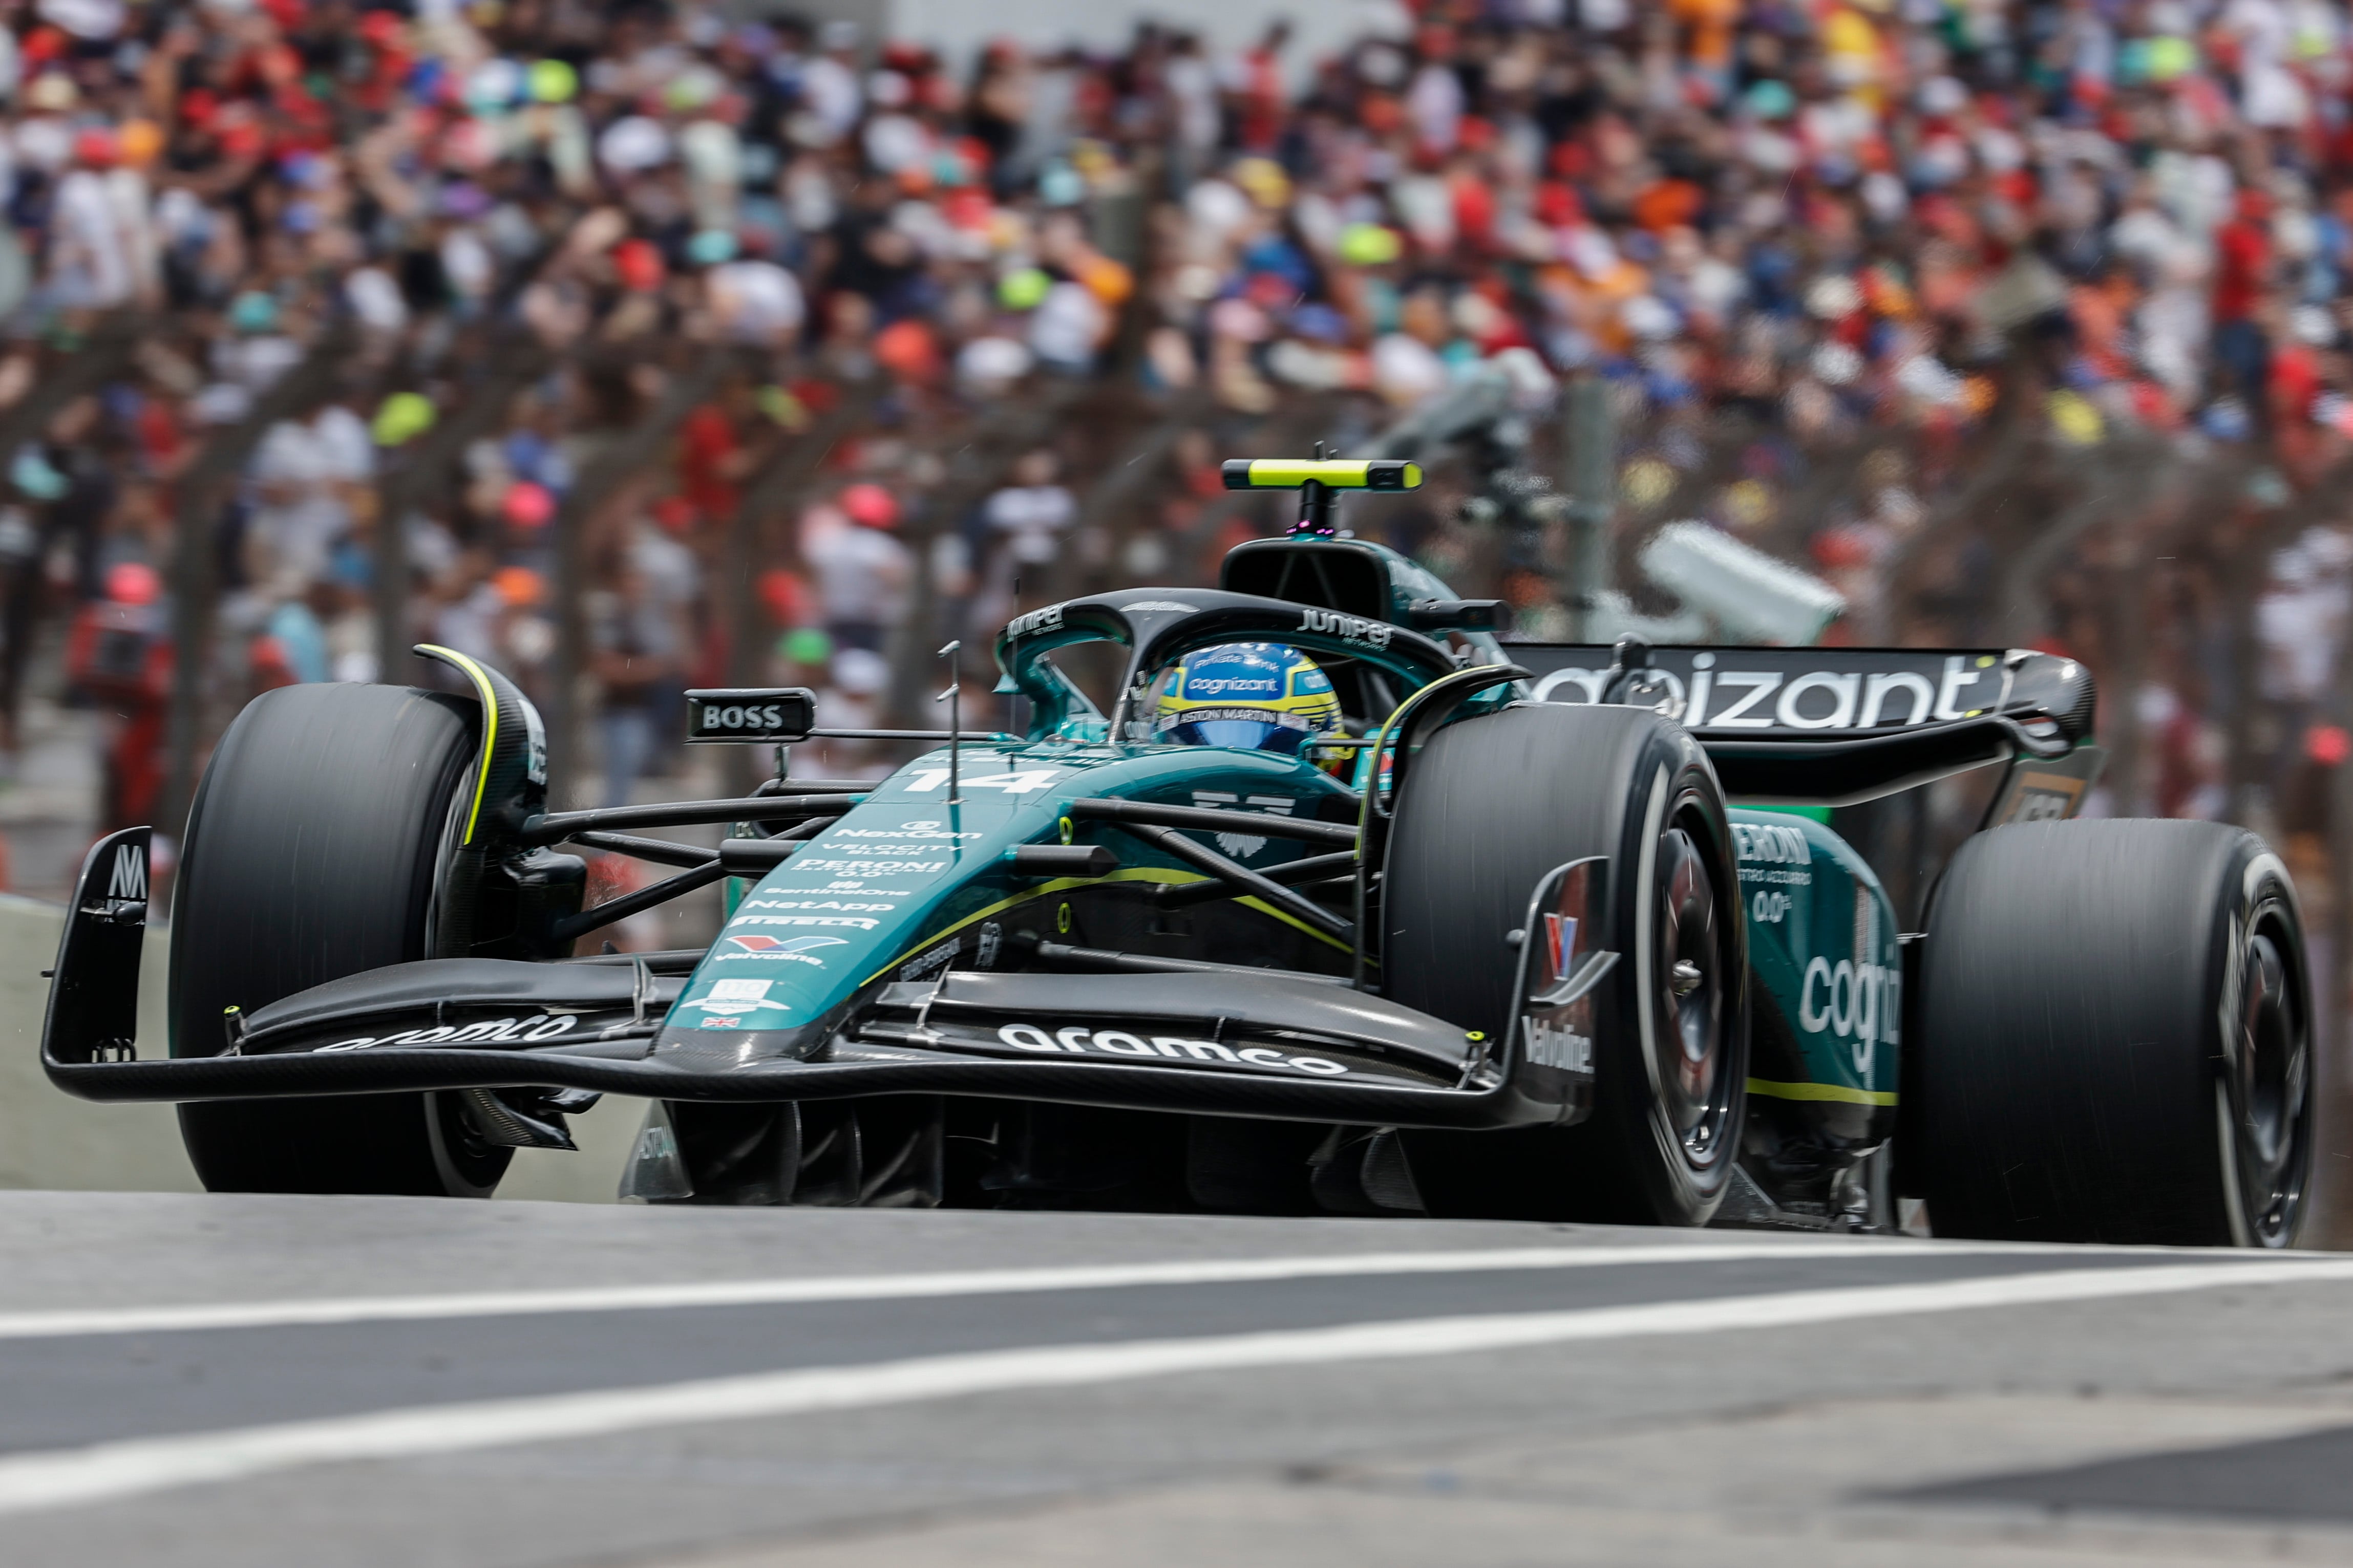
[{"x": 1231, "y": 1044}]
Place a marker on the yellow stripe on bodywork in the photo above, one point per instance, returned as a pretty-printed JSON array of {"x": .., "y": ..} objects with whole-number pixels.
[
  {"x": 1044, "y": 889},
  {"x": 1166, "y": 876},
  {"x": 481, "y": 681},
  {"x": 1830, "y": 1091}
]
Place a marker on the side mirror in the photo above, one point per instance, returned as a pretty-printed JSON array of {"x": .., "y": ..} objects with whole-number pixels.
[
  {"x": 771, "y": 715},
  {"x": 1459, "y": 615}
]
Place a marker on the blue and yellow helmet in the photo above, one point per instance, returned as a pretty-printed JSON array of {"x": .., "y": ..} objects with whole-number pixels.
[{"x": 1259, "y": 696}]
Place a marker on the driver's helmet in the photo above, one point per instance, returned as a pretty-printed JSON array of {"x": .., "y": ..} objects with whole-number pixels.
[{"x": 1259, "y": 696}]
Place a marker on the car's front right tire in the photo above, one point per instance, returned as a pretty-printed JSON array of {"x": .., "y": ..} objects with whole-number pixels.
[{"x": 1489, "y": 807}]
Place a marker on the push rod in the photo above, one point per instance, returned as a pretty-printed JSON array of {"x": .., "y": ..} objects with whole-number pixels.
[
  {"x": 1172, "y": 842},
  {"x": 661, "y": 851},
  {"x": 735, "y": 853},
  {"x": 628, "y": 905},
  {"x": 1291, "y": 874},
  {"x": 1207, "y": 819},
  {"x": 553, "y": 827}
]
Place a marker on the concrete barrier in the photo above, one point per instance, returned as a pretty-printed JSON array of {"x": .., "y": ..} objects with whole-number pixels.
[{"x": 49, "y": 1139}]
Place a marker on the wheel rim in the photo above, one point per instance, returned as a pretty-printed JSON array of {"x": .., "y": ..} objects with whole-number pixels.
[
  {"x": 469, "y": 1165},
  {"x": 1689, "y": 1046},
  {"x": 2270, "y": 1084}
]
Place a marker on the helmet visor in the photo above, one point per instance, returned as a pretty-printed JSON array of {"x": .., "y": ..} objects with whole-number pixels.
[{"x": 1280, "y": 733}]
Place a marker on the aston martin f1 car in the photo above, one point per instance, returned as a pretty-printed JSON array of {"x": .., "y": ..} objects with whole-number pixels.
[{"x": 1429, "y": 924}]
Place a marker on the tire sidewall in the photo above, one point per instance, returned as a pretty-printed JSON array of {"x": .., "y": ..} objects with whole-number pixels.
[
  {"x": 2259, "y": 894},
  {"x": 1673, "y": 784},
  {"x": 468, "y": 1166}
]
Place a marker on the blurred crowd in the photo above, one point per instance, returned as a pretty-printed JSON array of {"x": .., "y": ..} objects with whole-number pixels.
[{"x": 555, "y": 275}]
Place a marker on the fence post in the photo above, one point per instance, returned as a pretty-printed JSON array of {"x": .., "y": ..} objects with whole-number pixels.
[
  {"x": 418, "y": 471},
  {"x": 1589, "y": 443},
  {"x": 1022, "y": 423},
  {"x": 106, "y": 351},
  {"x": 774, "y": 490},
  {"x": 600, "y": 479},
  {"x": 205, "y": 490}
]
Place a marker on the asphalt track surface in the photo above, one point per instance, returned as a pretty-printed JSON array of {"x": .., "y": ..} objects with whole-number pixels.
[{"x": 326, "y": 1381}]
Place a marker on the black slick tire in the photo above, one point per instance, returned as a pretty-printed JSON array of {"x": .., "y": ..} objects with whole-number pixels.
[
  {"x": 2114, "y": 1040},
  {"x": 1489, "y": 805},
  {"x": 312, "y": 852}
]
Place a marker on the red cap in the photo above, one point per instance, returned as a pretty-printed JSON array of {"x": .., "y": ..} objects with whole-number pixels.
[
  {"x": 784, "y": 594},
  {"x": 871, "y": 505},
  {"x": 527, "y": 505},
  {"x": 1558, "y": 205},
  {"x": 639, "y": 265},
  {"x": 134, "y": 583},
  {"x": 906, "y": 349}
]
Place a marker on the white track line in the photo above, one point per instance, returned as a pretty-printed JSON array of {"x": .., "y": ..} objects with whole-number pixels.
[
  {"x": 185, "y": 1317},
  {"x": 109, "y": 1471}
]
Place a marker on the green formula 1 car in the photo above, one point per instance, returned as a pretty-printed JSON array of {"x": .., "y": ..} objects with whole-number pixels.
[{"x": 1344, "y": 906}]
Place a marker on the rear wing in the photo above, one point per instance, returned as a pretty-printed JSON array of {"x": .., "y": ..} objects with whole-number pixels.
[{"x": 1835, "y": 726}]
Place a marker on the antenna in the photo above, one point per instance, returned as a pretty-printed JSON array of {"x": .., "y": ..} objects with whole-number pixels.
[
  {"x": 1319, "y": 480},
  {"x": 1315, "y": 505},
  {"x": 954, "y": 697}
]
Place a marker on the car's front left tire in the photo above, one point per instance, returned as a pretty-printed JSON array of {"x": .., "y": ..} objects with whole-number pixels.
[{"x": 317, "y": 843}]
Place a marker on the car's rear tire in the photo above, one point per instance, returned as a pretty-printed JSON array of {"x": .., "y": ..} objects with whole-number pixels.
[
  {"x": 313, "y": 851},
  {"x": 2114, "y": 1040},
  {"x": 1486, "y": 809}
]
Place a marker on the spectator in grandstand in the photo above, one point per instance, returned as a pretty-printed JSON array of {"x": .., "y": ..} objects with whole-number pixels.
[
  {"x": 862, "y": 571},
  {"x": 1824, "y": 219}
]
